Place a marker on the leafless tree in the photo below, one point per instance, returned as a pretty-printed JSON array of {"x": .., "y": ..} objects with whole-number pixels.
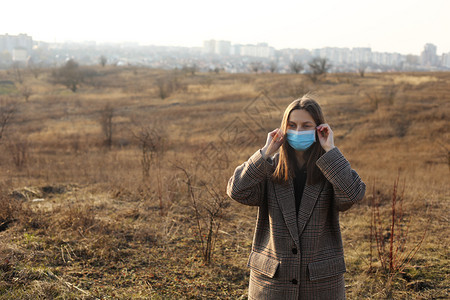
[
  {"x": 319, "y": 68},
  {"x": 296, "y": 66},
  {"x": 255, "y": 66},
  {"x": 102, "y": 60},
  {"x": 273, "y": 66},
  {"x": 70, "y": 75},
  {"x": 362, "y": 69}
]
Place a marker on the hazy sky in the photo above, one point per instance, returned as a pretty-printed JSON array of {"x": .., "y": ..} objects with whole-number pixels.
[{"x": 402, "y": 26}]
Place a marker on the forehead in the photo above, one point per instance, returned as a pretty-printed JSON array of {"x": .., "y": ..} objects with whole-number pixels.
[{"x": 300, "y": 116}]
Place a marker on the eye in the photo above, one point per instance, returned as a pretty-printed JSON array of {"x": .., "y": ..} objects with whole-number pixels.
[{"x": 291, "y": 125}]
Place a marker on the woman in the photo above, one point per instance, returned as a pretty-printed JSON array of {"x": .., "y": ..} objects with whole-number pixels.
[{"x": 297, "y": 248}]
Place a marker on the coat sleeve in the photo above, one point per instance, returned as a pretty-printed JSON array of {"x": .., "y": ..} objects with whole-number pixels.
[
  {"x": 347, "y": 185},
  {"x": 248, "y": 181}
]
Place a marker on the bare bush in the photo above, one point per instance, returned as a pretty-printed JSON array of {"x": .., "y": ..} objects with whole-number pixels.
[
  {"x": 7, "y": 110},
  {"x": 386, "y": 95},
  {"x": 78, "y": 218},
  {"x": 152, "y": 146},
  {"x": 389, "y": 231},
  {"x": 107, "y": 125},
  {"x": 26, "y": 92},
  {"x": 169, "y": 84},
  {"x": 19, "y": 150},
  {"x": 209, "y": 208}
]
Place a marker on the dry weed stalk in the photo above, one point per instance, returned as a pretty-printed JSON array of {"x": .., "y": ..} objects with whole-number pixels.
[
  {"x": 151, "y": 142},
  {"x": 107, "y": 125},
  {"x": 19, "y": 150},
  {"x": 7, "y": 111},
  {"x": 10, "y": 208},
  {"x": 391, "y": 239},
  {"x": 69, "y": 285},
  {"x": 17, "y": 72},
  {"x": 446, "y": 152}
]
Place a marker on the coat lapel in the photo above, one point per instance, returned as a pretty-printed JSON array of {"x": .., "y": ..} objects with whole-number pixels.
[
  {"x": 286, "y": 201},
  {"x": 309, "y": 199}
]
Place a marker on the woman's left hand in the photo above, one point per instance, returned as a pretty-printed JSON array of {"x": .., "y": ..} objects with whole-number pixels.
[{"x": 325, "y": 135}]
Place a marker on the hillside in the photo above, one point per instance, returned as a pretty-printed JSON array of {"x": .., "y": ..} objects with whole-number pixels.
[{"x": 103, "y": 190}]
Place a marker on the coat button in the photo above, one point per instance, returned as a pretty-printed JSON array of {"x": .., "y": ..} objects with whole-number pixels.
[
  {"x": 294, "y": 250},
  {"x": 294, "y": 281}
]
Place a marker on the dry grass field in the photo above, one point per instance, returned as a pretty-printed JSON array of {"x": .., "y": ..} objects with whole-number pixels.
[{"x": 112, "y": 192}]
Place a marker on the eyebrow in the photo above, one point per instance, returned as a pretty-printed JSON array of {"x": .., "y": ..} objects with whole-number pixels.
[{"x": 302, "y": 122}]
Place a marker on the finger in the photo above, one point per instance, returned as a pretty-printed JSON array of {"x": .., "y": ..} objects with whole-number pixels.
[
  {"x": 273, "y": 133},
  {"x": 276, "y": 134},
  {"x": 272, "y": 137},
  {"x": 324, "y": 129},
  {"x": 327, "y": 127},
  {"x": 279, "y": 134},
  {"x": 280, "y": 138}
]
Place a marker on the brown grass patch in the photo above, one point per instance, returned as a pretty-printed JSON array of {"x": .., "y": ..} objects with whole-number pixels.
[{"x": 107, "y": 232}]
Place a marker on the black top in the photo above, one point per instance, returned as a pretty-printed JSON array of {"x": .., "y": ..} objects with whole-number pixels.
[{"x": 299, "y": 186}]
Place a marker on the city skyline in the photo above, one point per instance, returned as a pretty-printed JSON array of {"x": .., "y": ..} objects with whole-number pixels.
[
  {"x": 384, "y": 26},
  {"x": 215, "y": 55}
]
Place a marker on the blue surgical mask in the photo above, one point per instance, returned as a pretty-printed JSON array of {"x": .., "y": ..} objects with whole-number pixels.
[{"x": 301, "y": 140}]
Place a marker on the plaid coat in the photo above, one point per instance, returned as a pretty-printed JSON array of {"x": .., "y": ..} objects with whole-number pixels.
[{"x": 297, "y": 257}]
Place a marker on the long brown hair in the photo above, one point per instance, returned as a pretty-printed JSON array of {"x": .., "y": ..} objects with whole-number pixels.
[{"x": 287, "y": 162}]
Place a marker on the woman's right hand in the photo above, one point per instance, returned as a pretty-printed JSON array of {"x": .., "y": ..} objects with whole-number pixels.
[{"x": 274, "y": 141}]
